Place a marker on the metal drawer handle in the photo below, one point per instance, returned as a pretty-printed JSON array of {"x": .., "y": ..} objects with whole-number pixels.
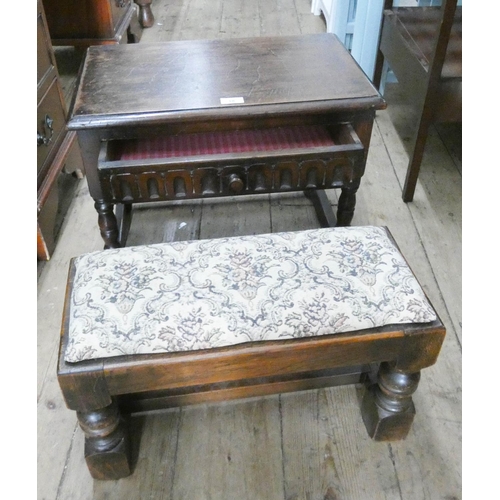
[{"x": 48, "y": 132}]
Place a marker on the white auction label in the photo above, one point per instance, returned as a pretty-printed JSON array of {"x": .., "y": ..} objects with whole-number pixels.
[{"x": 232, "y": 100}]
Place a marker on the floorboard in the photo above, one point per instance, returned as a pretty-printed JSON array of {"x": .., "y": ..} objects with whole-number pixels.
[{"x": 309, "y": 445}]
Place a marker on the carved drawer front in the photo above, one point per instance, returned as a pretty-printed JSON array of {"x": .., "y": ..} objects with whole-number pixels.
[
  {"x": 50, "y": 123},
  {"x": 230, "y": 163}
]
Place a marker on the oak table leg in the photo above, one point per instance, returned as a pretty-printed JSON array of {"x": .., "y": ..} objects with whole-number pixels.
[
  {"x": 347, "y": 203},
  {"x": 387, "y": 407},
  {"x": 106, "y": 443},
  {"x": 146, "y": 17},
  {"x": 108, "y": 224}
]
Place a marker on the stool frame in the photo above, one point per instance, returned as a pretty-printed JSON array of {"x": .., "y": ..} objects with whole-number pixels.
[{"x": 386, "y": 360}]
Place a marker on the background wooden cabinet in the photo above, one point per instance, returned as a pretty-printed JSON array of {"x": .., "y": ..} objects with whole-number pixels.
[
  {"x": 58, "y": 155},
  {"x": 92, "y": 22},
  {"x": 70, "y": 24}
]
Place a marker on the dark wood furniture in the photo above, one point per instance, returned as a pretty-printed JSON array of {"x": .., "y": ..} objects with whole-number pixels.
[
  {"x": 200, "y": 119},
  {"x": 104, "y": 390},
  {"x": 94, "y": 22},
  {"x": 423, "y": 47},
  {"x": 146, "y": 16},
  {"x": 57, "y": 149}
]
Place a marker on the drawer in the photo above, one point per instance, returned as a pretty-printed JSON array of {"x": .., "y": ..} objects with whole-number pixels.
[
  {"x": 43, "y": 58},
  {"x": 226, "y": 163},
  {"x": 50, "y": 123}
]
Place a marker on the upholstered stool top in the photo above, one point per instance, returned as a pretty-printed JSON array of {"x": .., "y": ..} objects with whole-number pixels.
[{"x": 203, "y": 294}]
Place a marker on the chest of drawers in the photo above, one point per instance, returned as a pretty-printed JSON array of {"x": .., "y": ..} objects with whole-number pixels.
[
  {"x": 56, "y": 147},
  {"x": 92, "y": 22}
]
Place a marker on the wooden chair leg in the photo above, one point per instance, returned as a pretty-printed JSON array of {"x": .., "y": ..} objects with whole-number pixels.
[
  {"x": 379, "y": 62},
  {"x": 417, "y": 155},
  {"x": 429, "y": 102},
  {"x": 377, "y": 74}
]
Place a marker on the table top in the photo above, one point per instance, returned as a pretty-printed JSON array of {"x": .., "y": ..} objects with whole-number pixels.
[{"x": 148, "y": 83}]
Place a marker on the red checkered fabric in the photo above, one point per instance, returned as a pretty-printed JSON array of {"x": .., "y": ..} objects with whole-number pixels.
[{"x": 237, "y": 141}]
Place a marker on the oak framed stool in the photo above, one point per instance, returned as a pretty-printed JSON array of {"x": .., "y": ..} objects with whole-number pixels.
[{"x": 170, "y": 324}]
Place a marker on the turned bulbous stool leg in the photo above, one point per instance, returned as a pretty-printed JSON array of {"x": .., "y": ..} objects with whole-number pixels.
[
  {"x": 146, "y": 17},
  {"x": 106, "y": 443},
  {"x": 387, "y": 407}
]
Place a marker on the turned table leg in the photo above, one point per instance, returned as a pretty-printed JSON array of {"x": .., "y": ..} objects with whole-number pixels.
[
  {"x": 106, "y": 443},
  {"x": 387, "y": 407},
  {"x": 146, "y": 17},
  {"x": 108, "y": 224},
  {"x": 347, "y": 203}
]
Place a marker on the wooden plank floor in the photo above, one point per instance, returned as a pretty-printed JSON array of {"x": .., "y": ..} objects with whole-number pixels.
[{"x": 309, "y": 445}]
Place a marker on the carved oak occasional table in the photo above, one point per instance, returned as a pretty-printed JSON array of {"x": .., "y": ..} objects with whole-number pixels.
[{"x": 209, "y": 118}]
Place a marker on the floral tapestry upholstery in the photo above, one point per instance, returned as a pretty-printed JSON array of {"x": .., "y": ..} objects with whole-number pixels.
[{"x": 186, "y": 296}]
